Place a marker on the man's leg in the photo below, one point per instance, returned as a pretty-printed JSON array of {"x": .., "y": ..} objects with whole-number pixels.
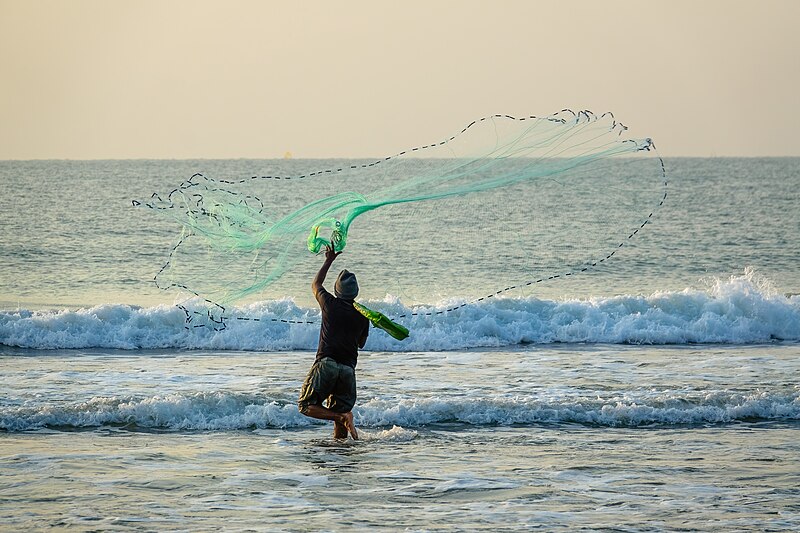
[
  {"x": 342, "y": 422},
  {"x": 339, "y": 430},
  {"x": 347, "y": 426},
  {"x": 342, "y": 400},
  {"x": 319, "y": 383}
]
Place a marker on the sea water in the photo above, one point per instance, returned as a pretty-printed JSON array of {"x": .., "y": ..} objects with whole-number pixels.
[{"x": 659, "y": 393}]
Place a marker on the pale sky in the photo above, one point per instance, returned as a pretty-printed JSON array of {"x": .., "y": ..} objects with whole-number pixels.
[{"x": 97, "y": 79}]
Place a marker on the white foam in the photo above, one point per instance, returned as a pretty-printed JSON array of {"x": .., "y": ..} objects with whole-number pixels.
[
  {"x": 231, "y": 411},
  {"x": 739, "y": 310},
  {"x": 396, "y": 434}
]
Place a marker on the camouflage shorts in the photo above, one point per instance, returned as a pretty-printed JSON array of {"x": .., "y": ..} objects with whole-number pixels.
[{"x": 332, "y": 381}]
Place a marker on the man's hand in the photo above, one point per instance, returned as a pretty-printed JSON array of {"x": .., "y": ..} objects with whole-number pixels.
[
  {"x": 330, "y": 255},
  {"x": 319, "y": 279}
]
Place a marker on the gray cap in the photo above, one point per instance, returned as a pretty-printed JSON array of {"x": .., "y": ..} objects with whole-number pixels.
[{"x": 346, "y": 286}]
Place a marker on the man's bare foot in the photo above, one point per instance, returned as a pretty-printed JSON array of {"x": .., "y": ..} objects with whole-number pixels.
[
  {"x": 348, "y": 423},
  {"x": 339, "y": 429}
]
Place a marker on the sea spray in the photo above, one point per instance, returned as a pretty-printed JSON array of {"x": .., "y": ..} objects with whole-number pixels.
[{"x": 739, "y": 310}]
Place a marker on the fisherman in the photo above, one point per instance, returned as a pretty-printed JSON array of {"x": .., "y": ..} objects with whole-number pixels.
[{"x": 333, "y": 375}]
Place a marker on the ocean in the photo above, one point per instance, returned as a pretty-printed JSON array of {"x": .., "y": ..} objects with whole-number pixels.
[{"x": 656, "y": 392}]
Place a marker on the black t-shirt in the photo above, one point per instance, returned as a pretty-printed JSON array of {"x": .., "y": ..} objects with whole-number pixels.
[{"x": 342, "y": 327}]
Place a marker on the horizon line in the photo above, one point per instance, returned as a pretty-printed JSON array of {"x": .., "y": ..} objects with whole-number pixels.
[{"x": 77, "y": 159}]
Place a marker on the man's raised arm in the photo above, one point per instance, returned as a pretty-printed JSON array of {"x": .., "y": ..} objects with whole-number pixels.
[{"x": 319, "y": 279}]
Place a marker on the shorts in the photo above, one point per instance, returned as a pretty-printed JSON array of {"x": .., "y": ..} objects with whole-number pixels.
[{"x": 329, "y": 380}]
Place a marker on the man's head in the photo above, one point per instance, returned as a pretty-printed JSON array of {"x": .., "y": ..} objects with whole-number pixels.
[{"x": 346, "y": 286}]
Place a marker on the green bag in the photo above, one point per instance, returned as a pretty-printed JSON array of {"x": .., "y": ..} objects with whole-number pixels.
[{"x": 379, "y": 320}]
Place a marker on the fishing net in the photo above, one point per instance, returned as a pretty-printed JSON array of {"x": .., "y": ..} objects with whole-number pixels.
[{"x": 499, "y": 208}]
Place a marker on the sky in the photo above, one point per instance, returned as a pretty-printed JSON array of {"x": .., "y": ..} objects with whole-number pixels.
[{"x": 105, "y": 79}]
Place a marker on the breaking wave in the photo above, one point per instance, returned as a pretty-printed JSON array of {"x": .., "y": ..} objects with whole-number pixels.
[
  {"x": 737, "y": 310},
  {"x": 204, "y": 411}
]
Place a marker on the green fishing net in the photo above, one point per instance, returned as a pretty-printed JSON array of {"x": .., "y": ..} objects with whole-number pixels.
[{"x": 499, "y": 208}]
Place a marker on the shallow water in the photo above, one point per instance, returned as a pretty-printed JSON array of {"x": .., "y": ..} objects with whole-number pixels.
[
  {"x": 556, "y": 437},
  {"x": 742, "y": 477}
]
